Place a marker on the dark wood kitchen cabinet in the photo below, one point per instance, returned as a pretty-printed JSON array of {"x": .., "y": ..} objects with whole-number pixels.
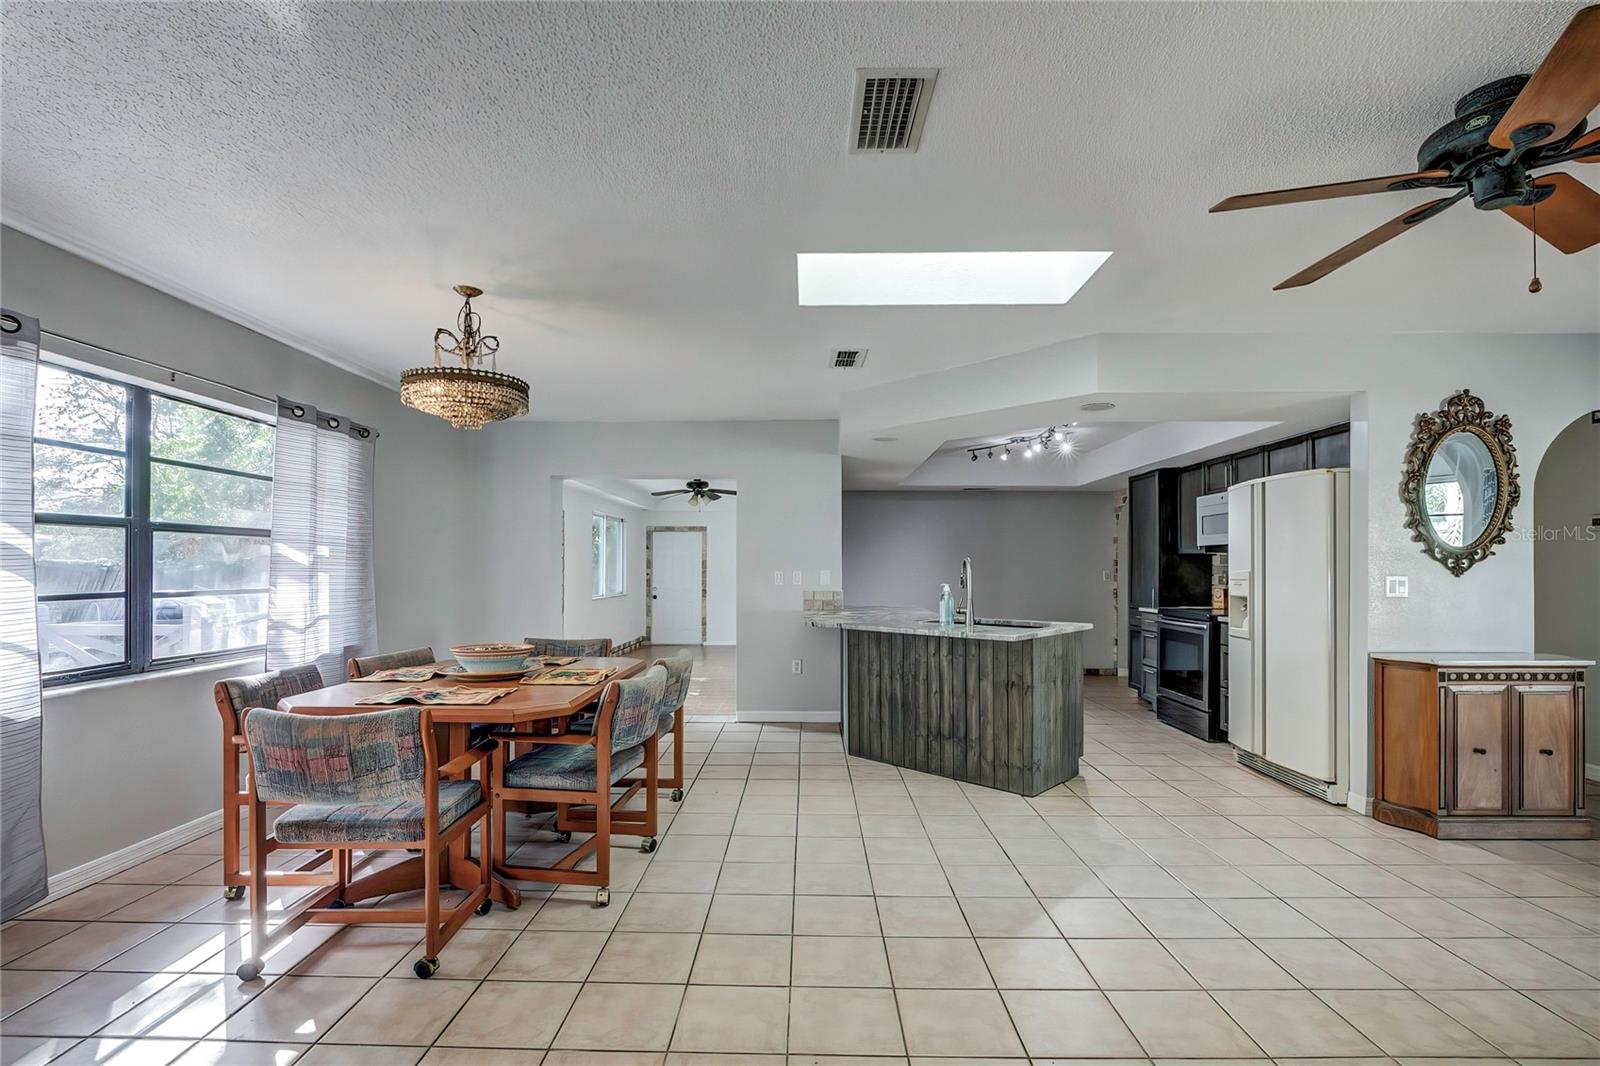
[
  {"x": 1161, "y": 573},
  {"x": 1485, "y": 748},
  {"x": 1191, "y": 486},
  {"x": 1219, "y": 475},
  {"x": 1247, "y": 466}
]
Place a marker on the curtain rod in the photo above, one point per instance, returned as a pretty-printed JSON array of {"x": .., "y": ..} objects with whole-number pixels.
[{"x": 273, "y": 400}]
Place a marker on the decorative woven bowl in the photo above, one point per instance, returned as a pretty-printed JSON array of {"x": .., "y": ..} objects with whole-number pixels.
[{"x": 491, "y": 657}]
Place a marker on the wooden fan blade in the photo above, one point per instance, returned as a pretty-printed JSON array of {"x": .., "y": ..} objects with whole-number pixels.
[
  {"x": 1326, "y": 192},
  {"x": 713, "y": 495},
  {"x": 1569, "y": 219},
  {"x": 1367, "y": 242},
  {"x": 728, "y": 492},
  {"x": 1589, "y": 142},
  {"x": 1564, "y": 89}
]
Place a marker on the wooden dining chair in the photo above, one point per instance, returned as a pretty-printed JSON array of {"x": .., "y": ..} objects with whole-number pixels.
[
  {"x": 584, "y": 648},
  {"x": 577, "y": 769},
  {"x": 235, "y": 696},
  {"x": 365, "y": 665},
  {"x": 360, "y": 782}
]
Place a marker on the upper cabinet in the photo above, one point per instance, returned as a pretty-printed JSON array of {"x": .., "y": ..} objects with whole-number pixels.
[
  {"x": 1219, "y": 475},
  {"x": 1161, "y": 571},
  {"x": 1191, "y": 486},
  {"x": 1247, "y": 466}
]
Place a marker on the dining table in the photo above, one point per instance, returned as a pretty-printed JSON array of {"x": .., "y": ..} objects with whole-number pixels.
[{"x": 528, "y": 708}]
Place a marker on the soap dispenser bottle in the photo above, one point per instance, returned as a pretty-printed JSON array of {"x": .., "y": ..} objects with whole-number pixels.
[{"x": 947, "y": 606}]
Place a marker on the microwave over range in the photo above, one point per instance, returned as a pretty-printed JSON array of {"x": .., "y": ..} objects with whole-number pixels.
[{"x": 1211, "y": 521}]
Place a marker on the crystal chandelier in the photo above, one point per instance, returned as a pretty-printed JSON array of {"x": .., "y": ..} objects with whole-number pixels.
[{"x": 467, "y": 396}]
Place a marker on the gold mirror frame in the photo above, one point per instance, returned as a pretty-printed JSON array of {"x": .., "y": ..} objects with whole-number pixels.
[{"x": 1461, "y": 413}]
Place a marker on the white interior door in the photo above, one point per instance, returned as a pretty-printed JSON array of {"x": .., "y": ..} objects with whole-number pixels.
[{"x": 675, "y": 592}]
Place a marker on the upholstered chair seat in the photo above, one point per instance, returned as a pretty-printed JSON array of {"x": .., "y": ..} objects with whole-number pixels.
[
  {"x": 398, "y": 822},
  {"x": 568, "y": 766}
]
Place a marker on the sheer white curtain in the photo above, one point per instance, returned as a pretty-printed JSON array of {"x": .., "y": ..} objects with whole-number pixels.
[
  {"x": 24, "y": 878},
  {"x": 322, "y": 607}
]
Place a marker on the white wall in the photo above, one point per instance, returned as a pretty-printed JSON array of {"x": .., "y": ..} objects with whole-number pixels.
[
  {"x": 721, "y": 522},
  {"x": 128, "y": 759},
  {"x": 789, "y": 488},
  {"x": 1036, "y": 555},
  {"x": 619, "y": 617},
  {"x": 1566, "y": 558}
]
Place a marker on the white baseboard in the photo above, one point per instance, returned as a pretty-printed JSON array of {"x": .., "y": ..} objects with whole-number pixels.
[
  {"x": 68, "y": 881},
  {"x": 1359, "y": 803},
  {"x": 720, "y": 644},
  {"x": 788, "y": 716}
]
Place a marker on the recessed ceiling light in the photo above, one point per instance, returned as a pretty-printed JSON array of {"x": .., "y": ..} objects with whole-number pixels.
[
  {"x": 879, "y": 279},
  {"x": 885, "y": 440},
  {"x": 1097, "y": 405}
]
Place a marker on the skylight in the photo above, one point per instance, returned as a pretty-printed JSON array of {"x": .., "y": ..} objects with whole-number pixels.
[{"x": 878, "y": 279}]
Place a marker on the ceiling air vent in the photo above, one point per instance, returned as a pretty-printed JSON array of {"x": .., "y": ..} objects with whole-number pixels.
[
  {"x": 847, "y": 358},
  {"x": 890, "y": 109}
]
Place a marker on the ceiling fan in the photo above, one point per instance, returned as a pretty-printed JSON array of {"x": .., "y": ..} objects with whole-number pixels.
[
  {"x": 1500, "y": 132},
  {"x": 699, "y": 492}
]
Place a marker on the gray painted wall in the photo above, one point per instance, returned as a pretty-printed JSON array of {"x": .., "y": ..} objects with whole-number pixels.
[
  {"x": 130, "y": 758},
  {"x": 1042, "y": 555},
  {"x": 1566, "y": 558}
]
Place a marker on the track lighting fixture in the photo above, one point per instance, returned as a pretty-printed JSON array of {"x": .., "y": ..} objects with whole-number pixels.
[{"x": 1057, "y": 437}]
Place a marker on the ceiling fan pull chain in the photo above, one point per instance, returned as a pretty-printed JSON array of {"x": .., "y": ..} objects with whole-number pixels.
[{"x": 1533, "y": 224}]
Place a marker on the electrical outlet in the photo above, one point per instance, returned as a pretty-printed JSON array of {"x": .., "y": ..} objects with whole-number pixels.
[
  {"x": 827, "y": 575},
  {"x": 796, "y": 665},
  {"x": 798, "y": 578},
  {"x": 777, "y": 577},
  {"x": 1397, "y": 586}
]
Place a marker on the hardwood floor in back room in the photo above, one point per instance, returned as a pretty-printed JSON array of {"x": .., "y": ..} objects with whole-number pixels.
[{"x": 1165, "y": 904}]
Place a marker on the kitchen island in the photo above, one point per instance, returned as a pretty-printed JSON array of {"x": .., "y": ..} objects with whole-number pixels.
[{"x": 999, "y": 704}]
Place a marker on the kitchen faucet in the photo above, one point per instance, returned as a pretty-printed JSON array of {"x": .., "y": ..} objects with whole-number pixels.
[{"x": 966, "y": 588}]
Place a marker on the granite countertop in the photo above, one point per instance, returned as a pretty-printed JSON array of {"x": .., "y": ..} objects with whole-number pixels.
[
  {"x": 1467, "y": 660},
  {"x": 919, "y": 621}
]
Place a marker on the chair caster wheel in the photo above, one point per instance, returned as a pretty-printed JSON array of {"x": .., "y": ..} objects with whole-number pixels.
[
  {"x": 337, "y": 904},
  {"x": 677, "y": 795},
  {"x": 564, "y": 836},
  {"x": 249, "y": 969},
  {"x": 602, "y": 897},
  {"x": 425, "y": 968},
  {"x": 233, "y": 892},
  {"x": 648, "y": 846},
  {"x": 483, "y": 908}
]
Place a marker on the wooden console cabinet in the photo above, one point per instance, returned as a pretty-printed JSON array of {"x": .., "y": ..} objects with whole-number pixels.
[{"x": 1480, "y": 746}]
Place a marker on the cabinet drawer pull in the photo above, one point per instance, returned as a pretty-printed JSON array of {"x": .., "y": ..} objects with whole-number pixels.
[
  {"x": 1480, "y": 751},
  {"x": 1546, "y": 751}
]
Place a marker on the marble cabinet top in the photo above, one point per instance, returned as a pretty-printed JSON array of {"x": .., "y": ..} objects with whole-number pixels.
[
  {"x": 1466, "y": 660},
  {"x": 923, "y": 621}
]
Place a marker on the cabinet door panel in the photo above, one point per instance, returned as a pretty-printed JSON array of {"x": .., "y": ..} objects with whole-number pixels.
[
  {"x": 1545, "y": 733},
  {"x": 1219, "y": 475},
  {"x": 1247, "y": 466},
  {"x": 1191, "y": 486},
  {"x": 1477, "y": 749}
]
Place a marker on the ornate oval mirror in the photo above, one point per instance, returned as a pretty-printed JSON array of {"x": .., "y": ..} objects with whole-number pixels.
[{"x": 1460, "y": 482}]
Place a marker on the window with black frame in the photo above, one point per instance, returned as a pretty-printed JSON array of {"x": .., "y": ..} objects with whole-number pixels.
[{"x": 153, "y": 528}]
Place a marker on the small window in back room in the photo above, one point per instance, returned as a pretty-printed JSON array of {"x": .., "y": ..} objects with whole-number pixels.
[{"x": 609, "y": 556}]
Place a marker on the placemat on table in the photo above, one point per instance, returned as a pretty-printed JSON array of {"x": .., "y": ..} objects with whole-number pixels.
[
  {"x": 588, "y": 675},
  {"x": 455, "y": 696}
]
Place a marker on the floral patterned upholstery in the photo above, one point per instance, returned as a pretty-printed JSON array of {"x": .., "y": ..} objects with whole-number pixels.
[
  {"x": 568, "y": 766},
  {"x": 679, "y": 668},
  {"x": 597, "y": 648},
  {"x": 371, "y": 664},
  {"x": 638, "y": 710},
  {"x": 333, "y": 760},
  {"x": 402, "y": 822},
  {"x": 265, "y": 690}
]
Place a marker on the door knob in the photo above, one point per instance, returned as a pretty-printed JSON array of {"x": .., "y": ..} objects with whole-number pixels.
[{"x": 1546, "y": 751}]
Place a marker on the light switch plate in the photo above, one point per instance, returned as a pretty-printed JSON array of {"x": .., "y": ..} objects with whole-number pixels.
[
  {"x": 798, "y": 577},
  {"x": 796, "y": 665},
  {"x": 777, "y": 577},
  {"x": 1396, "y": 586}
]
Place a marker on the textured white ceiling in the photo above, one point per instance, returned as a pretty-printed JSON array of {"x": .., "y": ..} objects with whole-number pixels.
[{"x": 630, "y": 182}]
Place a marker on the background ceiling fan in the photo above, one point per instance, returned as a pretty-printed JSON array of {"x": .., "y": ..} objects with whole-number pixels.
[
  {"x": 1500, "y": 132},
  {"x": 699, "y": 492}
]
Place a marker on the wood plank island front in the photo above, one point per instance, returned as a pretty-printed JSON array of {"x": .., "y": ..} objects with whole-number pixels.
[{"x": 1000, "y": 704}]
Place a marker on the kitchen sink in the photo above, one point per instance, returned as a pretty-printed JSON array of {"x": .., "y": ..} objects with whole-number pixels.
[{"x": 994, "y": 623}]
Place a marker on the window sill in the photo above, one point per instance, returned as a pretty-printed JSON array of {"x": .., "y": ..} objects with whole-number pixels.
[
  {"x": 223, "y": 665},
  {"x": 611, "y": 596}
]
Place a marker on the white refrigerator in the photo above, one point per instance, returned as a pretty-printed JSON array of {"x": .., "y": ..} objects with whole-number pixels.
[{"x": 1288, "y": 628}]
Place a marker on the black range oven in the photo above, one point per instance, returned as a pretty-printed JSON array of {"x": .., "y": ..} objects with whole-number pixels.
[{"x": 1189, "y": 673}]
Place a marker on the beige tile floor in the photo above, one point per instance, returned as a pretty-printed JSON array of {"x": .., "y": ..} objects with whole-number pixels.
[{"x": 1165, "y": 905}]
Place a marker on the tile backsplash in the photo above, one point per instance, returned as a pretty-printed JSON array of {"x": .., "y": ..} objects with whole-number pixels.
[{"x": 824, "y": 600}]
